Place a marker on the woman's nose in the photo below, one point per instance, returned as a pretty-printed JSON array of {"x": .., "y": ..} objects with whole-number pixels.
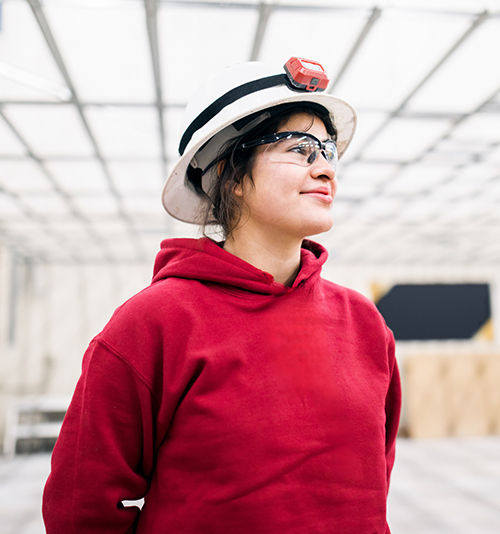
[{"x": 321, "y": 167}]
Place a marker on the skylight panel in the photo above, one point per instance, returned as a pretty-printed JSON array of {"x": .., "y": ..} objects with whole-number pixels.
[
  {"x": 281, "y": 42},
  {"x": 128, "y": 132},
  {"x": 453, "y": 190},
  {"x": 49, "y": 206},
  {"x": 24, "y": 226},
  {"x": 80, "y": 176},
  {"x": 494, "y": 156},
  {"x": 90, "y": 4},
  {"x": 452, "y": 152},
  {"x": 481, "y": 128},
  {"x": 376, "y": 208},
  {"x": 181, "y": 229},
  {"x": 437, "y": 5},
  {"x": 148, "y": 207},
  {"x": 371, "y": 173},
  {"x": 420, "y": 209},
  {"x": 115, "y": 232},
  {"x": 405, "y": 139},
  {"x": 320, "y": 3},
  {"x": 461, "y": 211},
  {"x": 51, "y": 130},
  {"x": 9, "y": 143},
  {"x": 355, "y": 191},
  {"x": 151, "y": 244},
  {"x": 138, "y": 177},
  {"x": 368, "y": 125},
  {"x": 460, "y": 6},
  {"x": 106, "y": 50},
  {"x": 40, "y": 240},
  {"x": 492, "y": 191},
  {"x": 361, "y": 180},
  {"x": 342, "y": 208},
  {"x": 417, "y": 178},
  {"x": 196, "y": 42},
  {"x": 478, "y": 173},
  {"x": 471, "y": 183},
  {"x": 71, "y": 229},
  {"x": 9, "y": 208},
  {"x": 123, "y": 250},
  {"x": 111, "y": 227},
  {"x": 97, "y": 206},
  {"x": 27, "y": 68},
  {"x": 469, "y": 77},
  {"x": 12, "y": 89},
  {"x": 36, "y": 243},
  {"x": 399, "y": 51},
  {"x": 23, "y": 176},
  {"x": 221, "y": 2}
]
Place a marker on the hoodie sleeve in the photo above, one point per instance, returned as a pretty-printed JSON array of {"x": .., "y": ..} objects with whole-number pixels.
[
  {"x": 104, "y": 454},
  {"x": 392, "y": 406},
  {"x": 392, "y": 410}
]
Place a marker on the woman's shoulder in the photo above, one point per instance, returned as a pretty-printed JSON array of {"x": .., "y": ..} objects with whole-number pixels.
[
  {"x": 158, "y": 304},
  {"x": 139, "y": 328},
  {"x": 346, "y": 293},
  {"x": 348, "y": 298},
  {"x": 355, "y": 309}
]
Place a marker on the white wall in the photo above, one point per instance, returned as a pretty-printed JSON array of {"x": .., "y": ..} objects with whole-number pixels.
[{"x": 48, "y": 315}]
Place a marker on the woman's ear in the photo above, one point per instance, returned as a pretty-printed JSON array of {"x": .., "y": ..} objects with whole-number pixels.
[
  {"x": 238, "y": 189},
  {"x": 220, "y": 167}
]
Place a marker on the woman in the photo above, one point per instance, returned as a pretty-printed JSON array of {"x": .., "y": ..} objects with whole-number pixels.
[{"x": 240, "y": 392}]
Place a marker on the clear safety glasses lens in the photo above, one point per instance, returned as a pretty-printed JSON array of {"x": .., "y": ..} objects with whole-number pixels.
[{"x": 299, "y": 148}]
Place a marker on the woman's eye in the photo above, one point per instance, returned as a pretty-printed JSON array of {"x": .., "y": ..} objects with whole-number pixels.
[{"x": 299, "y": 149}]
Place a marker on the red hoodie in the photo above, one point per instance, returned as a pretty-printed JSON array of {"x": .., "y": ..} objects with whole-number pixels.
[{"x": 233, "y": 404}]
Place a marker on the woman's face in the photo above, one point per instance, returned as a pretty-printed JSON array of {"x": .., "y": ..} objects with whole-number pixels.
[{"x": 285, "y": 199}]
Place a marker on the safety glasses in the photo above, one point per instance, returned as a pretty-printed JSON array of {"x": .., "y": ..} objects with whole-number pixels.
[{"x": 299, "y": 148}]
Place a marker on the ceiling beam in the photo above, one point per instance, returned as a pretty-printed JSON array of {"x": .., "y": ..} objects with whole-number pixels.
[
  {"x": 265, "y": 11},
  {"x": 317, "y": 8},
  {"x": 372, "y": 19},
  {"x": 151, "y": 8}
]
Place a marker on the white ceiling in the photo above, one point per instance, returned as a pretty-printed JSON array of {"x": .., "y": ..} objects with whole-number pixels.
[{"x": 92, "y": 94}]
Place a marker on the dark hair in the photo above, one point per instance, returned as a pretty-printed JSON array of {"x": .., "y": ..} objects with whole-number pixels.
[{"x": 232, "y": 165}]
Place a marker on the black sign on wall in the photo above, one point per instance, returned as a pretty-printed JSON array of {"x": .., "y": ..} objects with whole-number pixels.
[{"x": 436, "y": 311}]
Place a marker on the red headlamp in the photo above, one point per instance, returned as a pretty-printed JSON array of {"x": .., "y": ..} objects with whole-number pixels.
[{"x": 306, "y": 74}]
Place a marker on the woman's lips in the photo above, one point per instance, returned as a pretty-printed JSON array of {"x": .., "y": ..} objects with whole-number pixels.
[{"x": 324, "y": 194}]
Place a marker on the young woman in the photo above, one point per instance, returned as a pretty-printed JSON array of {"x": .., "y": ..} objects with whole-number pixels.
[{"x": 240, "y": 392}]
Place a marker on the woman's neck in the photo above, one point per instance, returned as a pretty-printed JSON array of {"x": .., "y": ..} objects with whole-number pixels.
[{"x": 280, "y": 258}]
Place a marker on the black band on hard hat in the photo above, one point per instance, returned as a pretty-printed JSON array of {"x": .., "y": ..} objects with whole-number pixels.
[{"x": 228, "y": 98}]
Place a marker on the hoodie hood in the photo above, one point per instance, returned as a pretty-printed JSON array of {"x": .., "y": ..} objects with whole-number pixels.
[{"x": 204, "y": 260}]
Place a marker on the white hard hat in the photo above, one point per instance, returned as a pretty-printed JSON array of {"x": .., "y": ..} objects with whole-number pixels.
[{"x": 209, "y": 122}]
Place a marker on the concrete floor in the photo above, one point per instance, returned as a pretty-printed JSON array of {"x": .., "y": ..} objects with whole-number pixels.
[
  {"x": 438, "y": 487},
  {"x": 446, "y": 486}
]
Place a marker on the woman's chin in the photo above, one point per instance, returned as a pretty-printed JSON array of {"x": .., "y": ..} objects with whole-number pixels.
[{"x": 319, "y": 226}]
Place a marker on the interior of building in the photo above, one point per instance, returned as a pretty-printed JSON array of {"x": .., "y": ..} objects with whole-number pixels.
[{"x": 92, "y": 96}]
